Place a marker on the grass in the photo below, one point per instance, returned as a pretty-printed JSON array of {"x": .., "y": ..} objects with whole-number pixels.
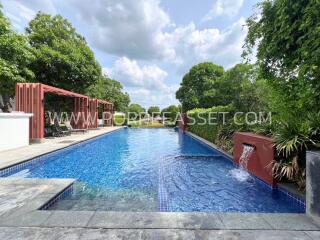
[
  {"x": 141, "y": 124},
  {"x": 119, "y": 120}
]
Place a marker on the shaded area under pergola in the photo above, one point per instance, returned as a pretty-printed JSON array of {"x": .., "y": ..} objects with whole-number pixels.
[{"x": 30, "y": 99}]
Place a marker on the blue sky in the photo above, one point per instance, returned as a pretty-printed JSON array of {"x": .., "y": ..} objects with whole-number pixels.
[{"x": 148, "y": 45}]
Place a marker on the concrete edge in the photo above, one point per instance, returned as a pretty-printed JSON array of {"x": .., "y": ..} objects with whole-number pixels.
[
  {"x": 317, "y": 153},
  {"x": 160, "y": 220},
  {"x": 56, "y": 187}
]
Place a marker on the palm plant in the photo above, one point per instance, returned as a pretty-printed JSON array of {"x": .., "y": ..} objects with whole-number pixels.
[
  {"x": 265, "y": 128},
  {"x": 292, "y": 138},
  {"x": 314, "y": 122}
]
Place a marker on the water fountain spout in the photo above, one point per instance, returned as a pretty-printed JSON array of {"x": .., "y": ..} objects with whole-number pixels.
[
  {"x": 241, "y": 174},
  {"x": 245, "y": 156}
]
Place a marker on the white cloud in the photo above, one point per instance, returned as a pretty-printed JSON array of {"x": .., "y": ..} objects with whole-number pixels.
[
  {"x": 226, "y": 8},
  {"x": 137, "y": 30},
  {"x": 149, "y": 98},
  {"x": 122, "y": 27},
  {"x": 46, "y": 6},
  {"x": 192, "y": 46},
  {"x": 145, "y": 83},
  {"x": 132, "y": 75},
  {"x": 142, "y": 30},
  {"x": 20, "y": 12}
]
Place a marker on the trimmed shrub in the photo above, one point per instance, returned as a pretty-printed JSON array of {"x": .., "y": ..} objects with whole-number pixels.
[
  {"x": 119, "y": 120},
  {"x": 207, "y": 122}
]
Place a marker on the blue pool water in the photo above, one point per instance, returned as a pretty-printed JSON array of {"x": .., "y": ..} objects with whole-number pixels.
[{"x": 152, "y": 170}]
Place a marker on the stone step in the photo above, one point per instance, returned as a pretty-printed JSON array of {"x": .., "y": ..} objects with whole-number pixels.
[{"x": 135, "y": 205}]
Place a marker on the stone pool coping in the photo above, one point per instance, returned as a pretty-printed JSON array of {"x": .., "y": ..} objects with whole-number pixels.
[
  {"x": 21, "y": 196},
  {"x": 139, "y": 234},
  {"x": 162, "y": 220}
]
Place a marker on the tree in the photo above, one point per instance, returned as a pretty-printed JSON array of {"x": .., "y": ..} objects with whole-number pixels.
[
  {"x": 198, "y": 86},
  {"x": 154, "y": 111},
  {"x": 135, "y": 110},
  {"x": 240, "y": 86},
  {"x": 63, "y": 58},
  {"x": 287, "y": 36},
  {"x": 15, "y": 57},
  {"x": 171, "y": 112},
  {"x": 112, "y": 91}
]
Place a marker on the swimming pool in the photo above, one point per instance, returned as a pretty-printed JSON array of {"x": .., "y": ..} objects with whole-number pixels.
[{"x": 155, "y": 170}]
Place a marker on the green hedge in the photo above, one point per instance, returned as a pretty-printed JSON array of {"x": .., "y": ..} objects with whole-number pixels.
[
  {"x": 119, "y": 120},
  {"x": 208, "y": 131}
]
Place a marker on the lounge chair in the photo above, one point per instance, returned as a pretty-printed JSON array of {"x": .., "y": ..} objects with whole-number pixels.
[
  {"x": 59, "y": 132},
  {"x": 72, "y": 130},
  {"x": 54, "y": 131},
  {"x": 48, "y": 132}
]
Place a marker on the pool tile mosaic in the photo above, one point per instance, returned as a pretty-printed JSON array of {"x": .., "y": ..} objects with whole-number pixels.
[
  {"x": 162, "y": 192},
  {"x": 64, "y": 194}
]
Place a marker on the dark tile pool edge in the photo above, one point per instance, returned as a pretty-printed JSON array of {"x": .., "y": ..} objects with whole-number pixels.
[
  {"x": 163, "y": 203},
  {"x": 16, "y": 167},
  {"x": 60, "y": 196},
  {"x": 293, "y": 189},
  {"x": 294, "y": 199},
  {"x": 209, "y": 144}
]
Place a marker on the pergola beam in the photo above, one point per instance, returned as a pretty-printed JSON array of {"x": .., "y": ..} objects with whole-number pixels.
[{"x": 30, "y": 99}]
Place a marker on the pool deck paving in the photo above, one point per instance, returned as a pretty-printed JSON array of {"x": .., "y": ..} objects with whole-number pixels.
[
  {"x": 137, "y": 234},
  {"x": 21, "y": 199}
]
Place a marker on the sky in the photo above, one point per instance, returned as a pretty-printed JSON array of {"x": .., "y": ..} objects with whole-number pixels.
[{"x": 149, "y": 45}]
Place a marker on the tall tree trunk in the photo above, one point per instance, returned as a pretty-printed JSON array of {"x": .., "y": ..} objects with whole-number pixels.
[{"x": 5, "y": 103}]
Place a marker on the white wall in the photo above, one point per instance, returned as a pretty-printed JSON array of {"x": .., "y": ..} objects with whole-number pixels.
[{"x": 14, "y": 130}]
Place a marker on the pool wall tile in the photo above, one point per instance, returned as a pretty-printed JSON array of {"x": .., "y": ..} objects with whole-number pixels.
[
  {"x": 64, "y": 194},
  {"x": 35, "y": 162},
  {"x": 163, "y": 198}
]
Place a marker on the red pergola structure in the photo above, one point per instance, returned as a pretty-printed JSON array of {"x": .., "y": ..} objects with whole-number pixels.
[
  {"x": 107, "y": 107},
  {"x": 30, "y": 99},
  {"x": 93, "y": 110}
]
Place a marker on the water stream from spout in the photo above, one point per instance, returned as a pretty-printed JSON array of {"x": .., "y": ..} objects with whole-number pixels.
[
  {"x": 241, "y": 173},
  {"x": 245, "y": 156}
]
